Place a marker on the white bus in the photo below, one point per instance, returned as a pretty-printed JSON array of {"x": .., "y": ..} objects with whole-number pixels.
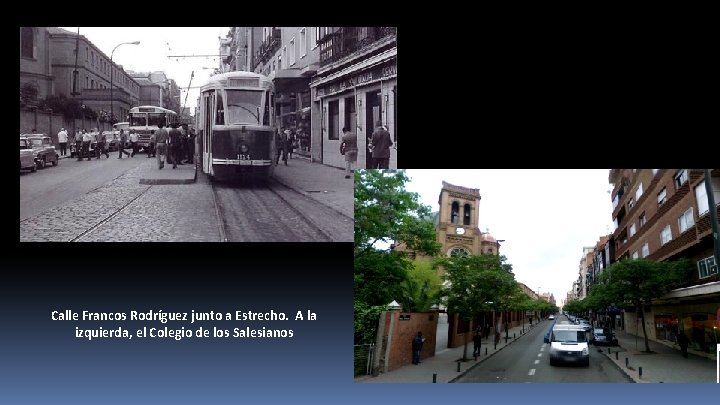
[{"x": 145, "y": 118}]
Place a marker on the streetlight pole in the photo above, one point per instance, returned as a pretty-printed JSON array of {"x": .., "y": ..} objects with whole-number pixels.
[{"x": 112, "y": 73}]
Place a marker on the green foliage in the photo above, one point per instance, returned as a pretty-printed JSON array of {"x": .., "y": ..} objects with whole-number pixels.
[
  {"x": 366, "y": 321},
  {"x": 385, "y": 211},
  {"x": 379, "y": 276},
  {"x": 422, "y": 287},
  {"x": 477, "y": 284}
]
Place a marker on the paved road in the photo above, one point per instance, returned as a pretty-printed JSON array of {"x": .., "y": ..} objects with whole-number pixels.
[
  {"x": 527, "y": 361},
  {"x": 54, "y": 186}
]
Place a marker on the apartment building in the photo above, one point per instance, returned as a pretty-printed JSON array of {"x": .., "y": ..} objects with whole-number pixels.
[{"x": 663, "y": 215}]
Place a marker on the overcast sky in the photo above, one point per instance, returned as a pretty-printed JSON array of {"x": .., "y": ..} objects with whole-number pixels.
[
  {"x": 545, "y": 216},
  {"x": 156, "y": 44}
]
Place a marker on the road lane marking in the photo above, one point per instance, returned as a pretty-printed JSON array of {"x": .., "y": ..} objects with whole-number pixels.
[
  {"x": 539, "y": 354},
  {"x": 532, "y": 371},
  {"x": 542, "y": 348},
  {"x": 537, "y": 361}
]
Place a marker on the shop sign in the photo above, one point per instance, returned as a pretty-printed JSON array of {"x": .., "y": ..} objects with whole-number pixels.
[{"x": 367, "y": 76}]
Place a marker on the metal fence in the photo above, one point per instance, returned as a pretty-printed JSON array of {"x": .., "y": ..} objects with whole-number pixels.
[{"x": 363, "y": 358}]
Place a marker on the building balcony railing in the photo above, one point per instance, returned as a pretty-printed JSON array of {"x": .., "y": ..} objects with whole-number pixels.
[
  {"x": 348, "y": 40},
  {"x": 269, "y": 46}
]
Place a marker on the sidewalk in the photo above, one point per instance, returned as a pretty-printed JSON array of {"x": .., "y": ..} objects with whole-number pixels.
[
  {"x": 665, "y": 365},
  {"x": 325, "y": 184},
  {"x": 445, "y": 362}
]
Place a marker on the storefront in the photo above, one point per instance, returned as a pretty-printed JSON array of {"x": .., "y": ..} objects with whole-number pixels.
[
  {"x": 357, "y": 97},
  {"x": 292, "y": 107}
]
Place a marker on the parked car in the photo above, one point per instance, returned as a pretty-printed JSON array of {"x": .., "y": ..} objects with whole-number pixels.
[
  {"x": 586, "y": 325},
  {"x": 43, "y": 150},
  {"x": 603, "y": 337},
  {"x": 27, "y": 157},
  {"x": 551, "y": 317}
]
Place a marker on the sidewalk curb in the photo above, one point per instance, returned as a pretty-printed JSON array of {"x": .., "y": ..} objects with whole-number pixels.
[
  {"x": 625, "y": 371},
  {"x": 480, "y": 361}
]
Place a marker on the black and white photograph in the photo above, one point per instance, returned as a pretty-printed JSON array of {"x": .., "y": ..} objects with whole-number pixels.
[{"x": 201, "y": 134}]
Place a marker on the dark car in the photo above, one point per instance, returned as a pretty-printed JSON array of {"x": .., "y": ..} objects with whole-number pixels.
[
  {"x": 603, "y": 337},
  {"x": 43, "y": 150}
]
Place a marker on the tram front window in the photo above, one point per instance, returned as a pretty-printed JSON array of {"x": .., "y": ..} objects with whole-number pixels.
[
  {"x": 155, "y": 119},
  {"x": 137, "y": 120},
  {"x": 243, "y": 107}
]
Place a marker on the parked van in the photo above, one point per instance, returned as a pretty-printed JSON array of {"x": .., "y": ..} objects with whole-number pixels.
[{"x": 569, "y": 344}]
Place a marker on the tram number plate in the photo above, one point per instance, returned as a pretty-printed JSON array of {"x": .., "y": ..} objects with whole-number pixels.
[{"x": 243, "y": 157}]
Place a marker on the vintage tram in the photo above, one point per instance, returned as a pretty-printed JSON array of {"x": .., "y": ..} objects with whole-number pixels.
[{"x": 235, "y": 126}]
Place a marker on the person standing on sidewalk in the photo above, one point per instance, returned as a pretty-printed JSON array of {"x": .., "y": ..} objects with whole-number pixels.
[
  {"x": 381, "y": 144},
  {"x": 417, "y": 345},
  {"x": 683, "y": 341},
  {"x": 348, "y": 147},
  {"x": 161, "y": 137},
  {"x": 477, "y": 342},
  {"x": 62, "y": 140},
  {"x": 175, "y": 144}
]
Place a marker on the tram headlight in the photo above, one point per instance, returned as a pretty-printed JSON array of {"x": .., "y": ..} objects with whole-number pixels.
[{"x": 244, "y": 149}]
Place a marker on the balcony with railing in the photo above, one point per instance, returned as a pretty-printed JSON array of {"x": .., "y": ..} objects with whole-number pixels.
[
  {"x": 344, "y": 41},
  {"x": 268, "y": 47}
]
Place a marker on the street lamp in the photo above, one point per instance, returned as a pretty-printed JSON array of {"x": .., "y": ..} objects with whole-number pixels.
[{"x": 112, "y": 73}]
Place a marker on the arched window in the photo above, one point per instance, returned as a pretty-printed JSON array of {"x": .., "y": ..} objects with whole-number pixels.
[
  {"x": 466, "y": 214},
  {"x": 28, "y": 42},
  {"x": 458, "y": 251},
  {"x": 455, "y": 213}
]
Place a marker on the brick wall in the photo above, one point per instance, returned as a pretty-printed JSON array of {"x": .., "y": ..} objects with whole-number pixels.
[{"x": 399, "y": 352}]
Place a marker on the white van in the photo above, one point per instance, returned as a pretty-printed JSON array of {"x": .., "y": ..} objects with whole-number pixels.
[{"x": 569, "y": 344}]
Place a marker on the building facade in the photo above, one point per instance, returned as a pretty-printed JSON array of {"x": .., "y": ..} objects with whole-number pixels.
[
  {"x": 355, "y": 87},
  {"x": 91, "y": 81},
  {"x": 664, "y": 215},
  {"x": 36, "y": 70},
  {"x": 326, "y": 78}
]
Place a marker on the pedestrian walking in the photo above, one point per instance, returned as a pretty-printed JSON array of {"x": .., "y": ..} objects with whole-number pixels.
[
  {"x": 62, "y": 140},
  {"x": 175, "y": 137},
  {"x": 100, "y": 146},
  {"x": 121, "y": 144},
  {"x": 133, "y": 142},
  {"x": 683, "y": 341},
  {"x": 161, "y": 137},
  {"x": 87, "y": 140},
  {"x": 78, "y": 145},
  {"x": 477, "y": 343},
  {"x": 184, "y": 143},
  {"x": 191, "y": 146},
  {"x": 348, "y": 147},
  {"x": 288, "y": 139},
  {"x": 151, "y": 144},
  {"x": 381, "y": 144},
  {"x": 280, "y": 145},
  {"x": 417, "y": 345}
]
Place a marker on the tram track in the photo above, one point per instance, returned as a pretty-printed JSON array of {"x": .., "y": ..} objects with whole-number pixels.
[{"x": 271, "y": 213}]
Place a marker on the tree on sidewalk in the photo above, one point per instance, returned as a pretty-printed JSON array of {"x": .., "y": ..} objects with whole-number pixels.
[
  {"x": 386, "y": 213},
  {"x": 634, "y": 283},
  {"x": 476, "y": 284}
]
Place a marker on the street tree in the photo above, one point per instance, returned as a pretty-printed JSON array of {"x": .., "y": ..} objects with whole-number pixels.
[
  {"x": 386, "y": 213},
  {"x": 421, "y": 288},
  {"x": 634, "y": 283},
  {"x": 476, "y": 284}
]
